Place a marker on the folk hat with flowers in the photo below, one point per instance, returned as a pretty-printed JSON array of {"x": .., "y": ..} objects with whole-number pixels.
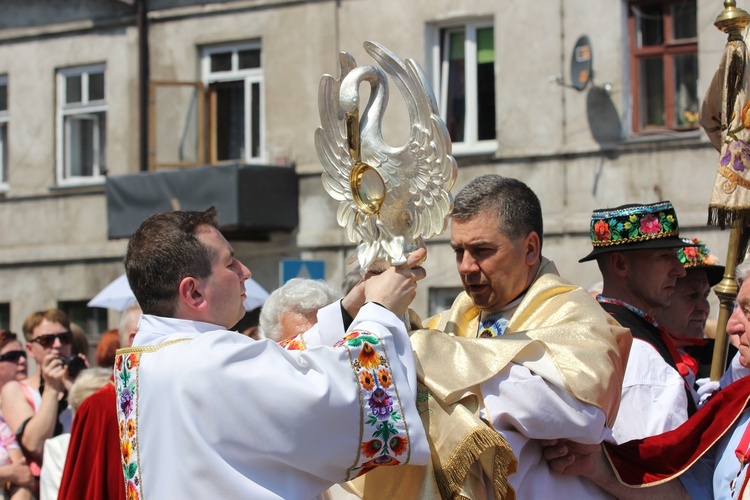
[
  {"x": 700, "y": 257},
  {"x": 635, "y": 227}
]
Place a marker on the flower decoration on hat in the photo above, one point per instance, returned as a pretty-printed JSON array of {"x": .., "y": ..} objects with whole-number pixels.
[
  {"x": 629, "y": 225},
  {"x": 634, "y": 227},
  {"x": 698, "y": 255}
]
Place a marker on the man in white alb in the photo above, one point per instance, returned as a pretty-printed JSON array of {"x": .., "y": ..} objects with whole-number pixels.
[{"x": 205, "y": 412}]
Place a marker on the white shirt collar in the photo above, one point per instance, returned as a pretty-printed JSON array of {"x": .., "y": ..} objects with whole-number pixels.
[{"x": 153, "y": 330}]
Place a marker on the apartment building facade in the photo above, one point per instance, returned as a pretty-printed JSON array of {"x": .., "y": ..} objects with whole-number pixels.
[{"x": 114, "y": 109}]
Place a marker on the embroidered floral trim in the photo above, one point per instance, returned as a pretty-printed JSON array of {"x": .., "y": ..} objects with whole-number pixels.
[
  {"x": 294, "y": 344},
  {"x": 384, "y": 433},
  {"x": 617, "y": 227},
  {"x": 126, "y": 385},
  {"x": 696, "y": 256}
]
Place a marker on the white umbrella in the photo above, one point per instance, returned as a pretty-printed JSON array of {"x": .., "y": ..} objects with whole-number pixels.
[
  {"x": 256, "y": 295},
  {"x": 117, "y": 295}
]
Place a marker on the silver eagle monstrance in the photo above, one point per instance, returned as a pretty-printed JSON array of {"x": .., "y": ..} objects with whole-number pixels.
[{"x": 391, "y": 198}]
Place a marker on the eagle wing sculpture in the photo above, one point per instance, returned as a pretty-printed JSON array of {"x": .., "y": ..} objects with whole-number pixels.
[{"x": 391, "y": 198}]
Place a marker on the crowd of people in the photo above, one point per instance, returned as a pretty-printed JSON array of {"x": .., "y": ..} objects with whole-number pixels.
[
  {"x": 38, "y": 410},
  {"x": 527, "y": 386}
]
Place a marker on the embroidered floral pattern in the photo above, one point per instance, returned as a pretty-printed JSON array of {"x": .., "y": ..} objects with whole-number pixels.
[
  {"x": 737, "y": 155},
  {"x": 696, "y": 256},
  {"x": 650, "y": 224},
  {"x": 385, "y": 435},
  {"x": 384, "y": 377},
  {"x": 381, "y": 461},
  {"x": 368, "y": 357},
  {"x": 126, "y": 384},
  {"x": 398, "y": 445},
  {"x": 370, "y": 448},
  {"x": 601, "y": 231},
  {"x": 294, "y": 344},
  {"x": 384, "y": 432},
  {"x": 746, "y": 115},
  {"x": 628, "y": 226}
]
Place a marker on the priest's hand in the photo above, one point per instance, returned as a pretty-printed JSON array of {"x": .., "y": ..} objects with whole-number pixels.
[
  {"x": 569, "y": 458},
  {"x": 396, "y": 287},
  {"x": 575, "y": 459},
  {"x": 355, "y": 299}
]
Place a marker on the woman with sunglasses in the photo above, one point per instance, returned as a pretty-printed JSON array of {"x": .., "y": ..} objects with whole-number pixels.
[
  {"x": 13, "y": 468},
  {"x": 13, "y": 365},
  {"x": 36, "y": 409}
]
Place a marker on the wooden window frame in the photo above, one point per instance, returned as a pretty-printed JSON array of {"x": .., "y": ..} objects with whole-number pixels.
[
  {"x": 667, "y": 52},
  {"x": 153, "y": 164}
]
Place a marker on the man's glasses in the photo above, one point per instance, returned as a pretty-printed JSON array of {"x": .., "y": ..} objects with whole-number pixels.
[
  {"x": 13, "y": 356},
  {"x": 48, "y": 340}
]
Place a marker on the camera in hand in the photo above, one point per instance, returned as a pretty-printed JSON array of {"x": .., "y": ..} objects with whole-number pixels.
[{"x": 75, "y": 365}]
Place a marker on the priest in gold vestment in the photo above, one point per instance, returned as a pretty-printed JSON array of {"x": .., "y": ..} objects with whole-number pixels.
[{"x": 522, "y": 355}]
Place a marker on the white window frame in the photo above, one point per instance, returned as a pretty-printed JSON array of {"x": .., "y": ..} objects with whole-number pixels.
[
  {"x": 470, "y": 144},
  {"x": 249, "y": 76},
  {"x": 85, "y": 107},
  {"x": 4, "y": 120}
]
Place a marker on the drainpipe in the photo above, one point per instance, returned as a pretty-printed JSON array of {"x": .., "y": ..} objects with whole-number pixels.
[{"x": 143, "y": 83}]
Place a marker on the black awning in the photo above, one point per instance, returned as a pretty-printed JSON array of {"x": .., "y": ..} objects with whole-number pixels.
[{"x": 252, "y": 200}]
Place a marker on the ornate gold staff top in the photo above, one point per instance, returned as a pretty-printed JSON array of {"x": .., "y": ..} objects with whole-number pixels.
[
  {"x": 724, "y": 117},
  {"x": 391, "y": 198}
]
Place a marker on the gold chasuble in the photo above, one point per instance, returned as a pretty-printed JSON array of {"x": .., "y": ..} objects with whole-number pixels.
[{"x": 558, "y": 331}]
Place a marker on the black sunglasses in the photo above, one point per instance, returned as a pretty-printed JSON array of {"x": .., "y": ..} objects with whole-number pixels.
[
  {"x": 12, "y": 356},
  {"x": 48, "y": 340},
  {"x": 7, "y": 335}
]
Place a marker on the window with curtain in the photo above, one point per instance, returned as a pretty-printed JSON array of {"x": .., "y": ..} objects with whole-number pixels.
[
  {"x": 664, "y": 64},
  {"x": 465, "y": 79}
]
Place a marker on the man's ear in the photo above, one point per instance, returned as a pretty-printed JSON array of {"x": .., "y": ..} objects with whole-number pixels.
[
  {"x": 190, "y": 293},
  {"x": 619, "y": 264},
  {"x": 531, "y": 243}
]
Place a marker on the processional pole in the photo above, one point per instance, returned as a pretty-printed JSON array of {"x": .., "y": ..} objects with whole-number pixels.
[
  {"x": 726, "y": 290},
  {"x": 731, "y": 21}
]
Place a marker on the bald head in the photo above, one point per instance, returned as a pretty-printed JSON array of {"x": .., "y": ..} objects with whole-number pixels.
[{"x": 129, "y": 324}]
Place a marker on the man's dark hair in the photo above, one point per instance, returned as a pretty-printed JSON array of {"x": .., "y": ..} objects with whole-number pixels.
[
  {"x": 162, "y": 252},
  {"x": 516, "y": 206}
]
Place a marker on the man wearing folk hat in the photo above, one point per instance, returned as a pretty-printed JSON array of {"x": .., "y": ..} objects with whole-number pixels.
[
  {"x": 685, "y": 319},
  {"x": 635, "y": 247}
]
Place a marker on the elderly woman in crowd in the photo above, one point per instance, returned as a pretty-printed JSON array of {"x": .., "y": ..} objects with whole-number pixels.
[{"x": 292, "y": 309}]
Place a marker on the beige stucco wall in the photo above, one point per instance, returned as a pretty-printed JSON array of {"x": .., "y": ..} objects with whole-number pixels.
[{"x": 53, "y": 245}]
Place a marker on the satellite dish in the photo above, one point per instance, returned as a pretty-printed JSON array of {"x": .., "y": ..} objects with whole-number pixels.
[{"x": 580, "y": 64}]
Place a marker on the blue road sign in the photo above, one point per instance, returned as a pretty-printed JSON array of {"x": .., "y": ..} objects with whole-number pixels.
[{"x": 313, "y": 269}]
